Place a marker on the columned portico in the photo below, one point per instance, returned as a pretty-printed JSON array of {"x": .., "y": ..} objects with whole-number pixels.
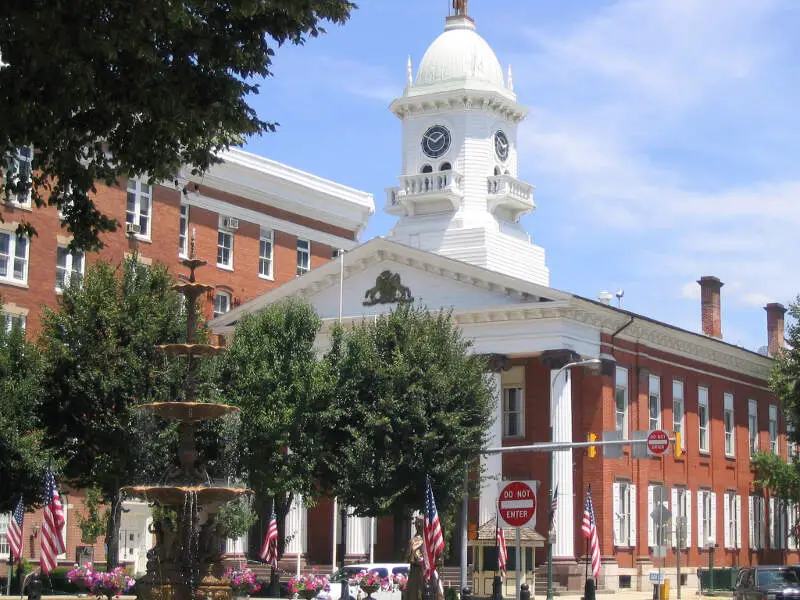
[{"x": 561, "y": 424}]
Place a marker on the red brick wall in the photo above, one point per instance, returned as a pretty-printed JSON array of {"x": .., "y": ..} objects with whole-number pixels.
[{"x": 242, "y": 282}]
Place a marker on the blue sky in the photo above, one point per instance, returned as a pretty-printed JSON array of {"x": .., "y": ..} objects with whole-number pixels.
[{"x": 662, "y": 138}]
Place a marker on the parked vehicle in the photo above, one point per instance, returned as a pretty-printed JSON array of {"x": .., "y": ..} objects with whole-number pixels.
[
  {"x": 767, "y": 583},
  {"x": 382, "y": 569}
]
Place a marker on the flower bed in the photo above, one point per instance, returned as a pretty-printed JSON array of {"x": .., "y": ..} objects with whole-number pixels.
[
  {"x": 243, "y": 581},
  {"x": 100, "y": 583}
]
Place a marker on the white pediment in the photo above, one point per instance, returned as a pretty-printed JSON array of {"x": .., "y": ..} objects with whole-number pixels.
[{"x": 432, "y": 280}]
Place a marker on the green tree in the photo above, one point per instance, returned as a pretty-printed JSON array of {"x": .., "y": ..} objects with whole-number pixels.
[
  {"x": 23, "y": 458},
  {"x": 271, "y": 373},
  {"x": 407, "y": 400},
  {"x": 100, "y": 363},
  {"x": 103, "y": 89}
]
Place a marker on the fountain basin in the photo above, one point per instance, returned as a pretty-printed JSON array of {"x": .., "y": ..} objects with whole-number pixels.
[
  {"x": 189, "y": 412},
  {"x": 191, "y": 349},
  {"x": 170, "y": 495}
]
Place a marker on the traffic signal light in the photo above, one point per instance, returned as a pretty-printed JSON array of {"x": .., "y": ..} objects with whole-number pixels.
[
  {"x": 678, "y": 445},
  {"x": 592, "y": 437}
]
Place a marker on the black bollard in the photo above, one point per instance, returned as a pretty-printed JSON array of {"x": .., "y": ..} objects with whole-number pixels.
[
  {"x": 497, "y": 588},
  {"x": 34, "y": 588},
  {"x": 588, "y": 590},
  {"x": 466, "y": 594},
  {"x": 429, "y": 593},
  {"x": 524, "y": 592}
]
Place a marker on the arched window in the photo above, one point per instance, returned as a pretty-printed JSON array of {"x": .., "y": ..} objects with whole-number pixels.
[
  {"x": 497, "y": 171},
  {"x": 507, "y": 173},
  {"x": 426, "y": 169},
  {"x": 445, "y": 166}
]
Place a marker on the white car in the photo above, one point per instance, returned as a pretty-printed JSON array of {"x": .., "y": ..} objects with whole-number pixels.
[{"x": 355, "y": 592}]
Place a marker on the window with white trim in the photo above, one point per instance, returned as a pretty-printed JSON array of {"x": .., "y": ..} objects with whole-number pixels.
[
  {"x": 703, "y": 422},
  {"x": 654, "y": 402},
  {"x": 732, "y": 520},
  {"x": 706, "y": 518},
  {"x": 513, "y": 412},
  {"x": 138, "y": 210},
  {"x": 20, "y": 167},
  {"x": 729, "y": 423},
  {"x": 183, "y": 232},
  {"x": 678, "y": 409},
  {"x": 266, "y": 243},
  {"x": 225, "y": 249},
  {"x": 5, "y": 519},
  {"x": 681, "y": 517},
  {"x": 12, "y": 320},
  {"x": 13, "y": 257},
  {"x": 69, "y": 268},
  {"x": 303, "y": 256},
  {"x": 752, "y": 425},
  {"x": 657, "y": 507},
  {"x": 624, "y": 517},
  {"x": 756, "y": 527},
  {"x": 222, "y": 303},
  {"x": 773, "y": 428},
  {"x": 621, "y": 401},
  {"x": 791, "y": 444}
]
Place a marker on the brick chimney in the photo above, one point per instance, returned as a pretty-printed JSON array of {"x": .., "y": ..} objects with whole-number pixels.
[
  {"x": 709, "y": 305},
  {"x": 776, "y": 333}
]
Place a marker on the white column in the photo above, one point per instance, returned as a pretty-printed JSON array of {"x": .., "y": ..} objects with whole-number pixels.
[
  {"x": 492, "y": 463},
  {"x": 561, "y": 421},
  {"x": 296, "y": 527},
  {"x": 236, "y": 546},
  {"x": 358, "y": 535}
]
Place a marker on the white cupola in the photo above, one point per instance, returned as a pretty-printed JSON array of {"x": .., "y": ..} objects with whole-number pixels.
[{"x": 459, "y": 195}]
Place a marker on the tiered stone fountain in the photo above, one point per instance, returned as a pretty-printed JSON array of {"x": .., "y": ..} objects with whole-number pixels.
[{"x": 185, "y": 563}]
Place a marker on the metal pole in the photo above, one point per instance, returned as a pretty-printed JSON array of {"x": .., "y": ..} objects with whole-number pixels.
[
  {"x": 343, "y": 516},
  {"x": 335, "y": 523},
  {"x": 372, "y": 540},
  {"x": 10, "y": 570},
  {"x": 678, "y": 528},
  {"x": 519, "y": 566},
  {"x": 550, "y": 529},
  {"x": 464, "y": 527}
]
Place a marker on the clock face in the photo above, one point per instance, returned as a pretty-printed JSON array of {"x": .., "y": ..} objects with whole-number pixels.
[
  {"x": 436, "y": 141},
  {"x": 501, "y": 145}
]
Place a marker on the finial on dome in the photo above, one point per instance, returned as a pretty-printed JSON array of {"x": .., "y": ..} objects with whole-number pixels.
[
  {"x": 460, "y": 6},
  {"x": 409, "y": 73},
  {"x": 510, "y": 79}
]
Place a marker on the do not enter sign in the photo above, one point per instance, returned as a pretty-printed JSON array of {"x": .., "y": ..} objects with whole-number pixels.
[
  {"x": 517, "y": 503},
  {"x": 657, "y": 442}
]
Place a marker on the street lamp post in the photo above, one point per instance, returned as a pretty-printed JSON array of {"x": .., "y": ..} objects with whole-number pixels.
[{"x": 551, "y": 522}]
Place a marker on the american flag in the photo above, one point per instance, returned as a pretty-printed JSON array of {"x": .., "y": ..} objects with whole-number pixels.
[
  {"x": 553, "y": 508},
  {"x": 269, "y": 551},
  {"x": 589, "y": 529},
  {"x": 502, "y": 551},
  {"x": 14, "y": 534},
  {"x": 433, "y": 537},
  {"x": 53, "y": 521}
]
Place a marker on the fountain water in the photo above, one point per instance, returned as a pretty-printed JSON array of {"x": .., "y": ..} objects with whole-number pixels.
[{"x": 185, "y": 563}]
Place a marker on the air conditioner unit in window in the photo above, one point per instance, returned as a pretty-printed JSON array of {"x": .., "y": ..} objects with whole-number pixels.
[
  {"x": 230, "y": 223},
  {"x": 132, "y": 229}
]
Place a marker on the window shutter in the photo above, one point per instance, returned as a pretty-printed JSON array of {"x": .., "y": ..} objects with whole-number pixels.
[
  {"x": 751, "y": 519},
  {"x": 726, "y": 519},
  {"x": 651, "y": 541},
  {"x": 675, "y": 513},
  {"x": 760, "y": 508},
  {"x": 738, "y": 541},
  {"x": 688, "y": 519},
  {"x": 700, "y": 541},
  {"x": 617, "y": 513},
  {"x": 632, "y": 502},
  {"x": 772, "y": 523},
  {"x": 713, "y": 516},
  {"x": 791, "y": 539}
]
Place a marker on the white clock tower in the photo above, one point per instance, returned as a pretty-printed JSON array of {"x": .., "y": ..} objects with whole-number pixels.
[{"x": 459, "y": 195}]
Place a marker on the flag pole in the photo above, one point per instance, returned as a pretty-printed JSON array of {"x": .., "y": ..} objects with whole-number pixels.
[
  {"x": 586, "y": 574},
  {"x": 10, "y": 569}
]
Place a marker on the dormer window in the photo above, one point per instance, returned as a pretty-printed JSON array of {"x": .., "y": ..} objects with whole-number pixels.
[
  {"x": 426, "y": 169},
  {"x": 445, "y": 167},
  {"x": 497, "y": 171}
]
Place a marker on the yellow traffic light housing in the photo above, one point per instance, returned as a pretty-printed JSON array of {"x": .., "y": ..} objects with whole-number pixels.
[
  {"x": 678, "y": 445},
  {"x": 592, "y": 437}
]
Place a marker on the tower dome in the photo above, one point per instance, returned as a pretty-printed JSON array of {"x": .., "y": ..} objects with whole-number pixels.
[{"x": 460, "y": 54}]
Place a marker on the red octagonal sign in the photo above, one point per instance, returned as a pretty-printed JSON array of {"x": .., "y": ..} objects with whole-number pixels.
[
  {"x": 658, "y": 441},
  {"x": 517, "y": 503}
]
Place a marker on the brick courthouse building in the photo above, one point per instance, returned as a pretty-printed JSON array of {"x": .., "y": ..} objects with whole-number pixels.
[
  {"x": 458, "y": 244},
  {"x": 257, "y": 222}
]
